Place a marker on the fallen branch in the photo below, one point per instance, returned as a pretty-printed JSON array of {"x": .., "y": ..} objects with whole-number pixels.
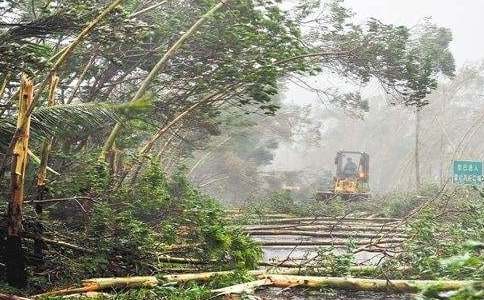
[
  {"x": 292, "y": 268},
  {"x": 60, "y": 243},
  {"x": 60, "y": 200},
  {"x": 180, "y": 247},
  {"x": 183, "y": 260}
]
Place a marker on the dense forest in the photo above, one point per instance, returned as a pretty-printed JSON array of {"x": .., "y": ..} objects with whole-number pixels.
[{"x": 147, "y": 146}]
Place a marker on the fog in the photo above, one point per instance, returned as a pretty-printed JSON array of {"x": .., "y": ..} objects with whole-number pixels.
[{"x": 318, "y": 130}]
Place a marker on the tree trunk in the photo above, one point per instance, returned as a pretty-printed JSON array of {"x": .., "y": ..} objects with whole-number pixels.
[
  {"x": 360, "y": 284},
  {"x": 15, "y": 260},
  {"x": 322, "y": 227},
  {"x": 330, "y": 220},
  {"x": 97, "y": 284},
  {"x": 418, "y": 180},
  {"x": 326, "y": 234},
  {"x": 329, "y": 242},
  {"x": 42, "y": 175}
]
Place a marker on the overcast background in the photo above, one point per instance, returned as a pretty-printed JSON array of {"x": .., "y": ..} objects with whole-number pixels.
[{"x": 464, "y": 17}]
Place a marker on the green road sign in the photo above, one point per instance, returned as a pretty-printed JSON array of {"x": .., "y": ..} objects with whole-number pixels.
[{"x": 468, "y": 172}]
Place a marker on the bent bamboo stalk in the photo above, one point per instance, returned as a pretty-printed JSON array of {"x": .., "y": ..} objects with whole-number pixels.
[
  {"x": 363, "y": 284},
  {"x": 108, "y": 144}
]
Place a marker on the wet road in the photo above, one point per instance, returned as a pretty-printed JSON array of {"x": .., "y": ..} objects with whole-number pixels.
[{"x": 298, "y": 240}]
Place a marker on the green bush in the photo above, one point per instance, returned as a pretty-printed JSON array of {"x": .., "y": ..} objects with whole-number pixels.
[{"x": 440, "y": 243}]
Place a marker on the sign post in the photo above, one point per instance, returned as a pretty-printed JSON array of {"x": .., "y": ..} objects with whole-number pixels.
[{"x": 468, "y": 172}]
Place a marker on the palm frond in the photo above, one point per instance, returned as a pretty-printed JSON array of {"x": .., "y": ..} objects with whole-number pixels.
[
  {"x": 61, "y": 120},
  {"x": 65, "y": 120}
]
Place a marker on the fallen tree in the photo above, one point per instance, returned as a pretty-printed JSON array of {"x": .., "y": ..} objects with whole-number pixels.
[
  {"x": 328, "y": 219},
  {"x": 284, "y": 281},
  {"x": 265, "y": 216},
  {"x": 330, "y": 242},
  {"x": 315, "y": 227},
  {"x": 321, "y": 234},
  {"x": 363, "y": 284}
]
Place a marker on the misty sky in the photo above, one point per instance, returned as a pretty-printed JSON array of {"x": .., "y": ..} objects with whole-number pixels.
[{"x": 464, "y": 17}]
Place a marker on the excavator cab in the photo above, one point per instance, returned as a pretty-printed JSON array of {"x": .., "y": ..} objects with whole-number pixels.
[{"x": 351, "y": 179}]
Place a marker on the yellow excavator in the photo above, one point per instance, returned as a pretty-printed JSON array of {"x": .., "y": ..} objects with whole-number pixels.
[{"x": 351, "y": 179}]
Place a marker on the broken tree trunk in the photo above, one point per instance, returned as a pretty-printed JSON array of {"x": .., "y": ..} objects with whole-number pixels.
[
  {"x": 15, "y": 260},
  {"x": 42, "y": 174},
  {"x": 363, "y": 284}
]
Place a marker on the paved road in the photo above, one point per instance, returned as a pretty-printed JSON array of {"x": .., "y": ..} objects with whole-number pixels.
[{"x": 296, "y": 240}]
